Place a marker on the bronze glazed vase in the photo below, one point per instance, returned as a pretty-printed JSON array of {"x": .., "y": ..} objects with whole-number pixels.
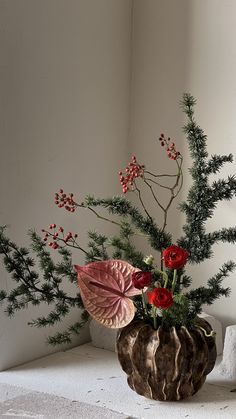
[{"x": 166, "y": 365}]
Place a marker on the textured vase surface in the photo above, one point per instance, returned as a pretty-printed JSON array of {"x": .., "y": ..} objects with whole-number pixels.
[{"x": 166, "y": 365}]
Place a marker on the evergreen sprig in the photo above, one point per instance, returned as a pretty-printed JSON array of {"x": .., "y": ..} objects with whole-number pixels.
[
  {"x": 207, "y": 295},
  {"x": 35, "y": 289},
  {"x": 122, "y": 207},
  {"x": 47, "y": 285},
  {"x": 203, "y": 195}
]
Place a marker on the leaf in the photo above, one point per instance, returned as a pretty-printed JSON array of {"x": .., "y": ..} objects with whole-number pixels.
[{"x": 105, "y": 289}]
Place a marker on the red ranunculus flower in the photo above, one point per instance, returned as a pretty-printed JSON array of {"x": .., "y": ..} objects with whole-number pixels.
[
  {"x": 175, "y": 257},
  {"x": 141, "y": 279},
  {"x": 161, "y": 298}
]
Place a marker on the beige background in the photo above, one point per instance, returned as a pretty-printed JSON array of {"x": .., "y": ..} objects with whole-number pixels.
[
  {"x": 65, "y": 76},
  {"x": 86, "y": 83},
  {"x": 179, "y": 46}
]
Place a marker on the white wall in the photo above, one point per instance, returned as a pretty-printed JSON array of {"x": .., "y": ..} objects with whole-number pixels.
[
  {"x": 66, "y": 78},
  {"x": 65, "y": 72},
  {"x": 187, "y": 45}
]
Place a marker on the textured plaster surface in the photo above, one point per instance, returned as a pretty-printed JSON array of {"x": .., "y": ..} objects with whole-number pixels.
[
  {"x": 17, "y": 402},
  {"x": 228, "y": 366},
  {"x": 90, "y": 375}
]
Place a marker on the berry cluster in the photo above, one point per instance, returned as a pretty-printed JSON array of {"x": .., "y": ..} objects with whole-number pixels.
[
  {"x": 66, "y": 201},
  {"x": 132, "y": 171},
  {"x": 58, "y": 236},
  {"x": 172, "y": 153}
]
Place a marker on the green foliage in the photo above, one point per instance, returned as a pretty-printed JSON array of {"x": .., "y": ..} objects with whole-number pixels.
[
  {"x": 35, "y": 289},
  {"x": 203, "y": 196},
  {"x": 207, "y": 295},
  {"x": 47, "y": 285},
  {"x": 178, "y": 314},
  {"x": 122, "y": 207}
]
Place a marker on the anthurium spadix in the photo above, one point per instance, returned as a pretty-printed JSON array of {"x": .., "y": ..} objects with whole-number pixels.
[{"x": 106, "y": 288}]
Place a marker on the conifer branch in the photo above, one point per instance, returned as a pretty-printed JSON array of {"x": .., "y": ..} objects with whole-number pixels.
[
  {"x": 120, "y": 206},
  {"x": 216, "y": 162},
  {"x": 47, "y": 286}
]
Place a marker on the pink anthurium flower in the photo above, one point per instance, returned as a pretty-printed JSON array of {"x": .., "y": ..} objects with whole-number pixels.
[{"x": 106, "y": 288}]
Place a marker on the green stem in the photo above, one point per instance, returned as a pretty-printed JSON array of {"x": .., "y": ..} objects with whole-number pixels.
[
  {"x": 164, "y": 274},
  {"x": 154, "y": 310},
  {"x": 144, "y": 304},
  {"x": 174, "y": 280},
  {"x": 166, "y": 281}
]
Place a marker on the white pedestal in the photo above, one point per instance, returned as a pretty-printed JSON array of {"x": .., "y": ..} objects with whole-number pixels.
[
  {"x": 103, "y": 337},
  {"x": 227, "y": 368}
]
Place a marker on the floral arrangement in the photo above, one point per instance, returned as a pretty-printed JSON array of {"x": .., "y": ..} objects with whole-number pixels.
[
  {"x": 118, "y": 281},
  {"x": 107, "y": 288}
]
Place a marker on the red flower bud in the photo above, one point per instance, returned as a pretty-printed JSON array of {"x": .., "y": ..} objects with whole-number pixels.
[{"x": 141, "y": 279}]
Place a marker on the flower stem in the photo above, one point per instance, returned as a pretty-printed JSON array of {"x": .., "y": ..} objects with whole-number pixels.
[
  {"x": 154, "y": 317},
  {"x": 174, "y": 280},
  {"x": 144, "y": 304},
  {"x": 164, "y": 275},
  {"x": 166, "y": 281}
]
